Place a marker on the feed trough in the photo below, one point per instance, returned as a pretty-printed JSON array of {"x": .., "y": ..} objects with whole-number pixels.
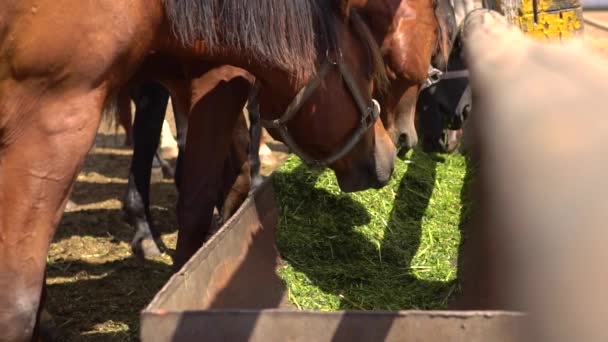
[{"x": 230, "y": 291}]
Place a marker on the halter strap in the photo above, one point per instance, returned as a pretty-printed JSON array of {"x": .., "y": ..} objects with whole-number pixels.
[
  {"x": 300, "y": 98},
  {"x": 453, "y": 74},
  {"x": 434, "y": 76},
  {"x": 369, "y": 114}
]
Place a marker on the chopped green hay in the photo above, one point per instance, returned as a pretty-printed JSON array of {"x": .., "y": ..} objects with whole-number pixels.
[{"x": 389, "y": 249}]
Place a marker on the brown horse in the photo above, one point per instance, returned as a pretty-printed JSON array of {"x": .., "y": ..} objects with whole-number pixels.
[
  {"x": 54, "y": 85},
  {"x": 410, "y": 33}
]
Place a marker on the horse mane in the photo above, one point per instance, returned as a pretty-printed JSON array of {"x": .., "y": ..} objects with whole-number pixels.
[{"x": 287, "y": 33}]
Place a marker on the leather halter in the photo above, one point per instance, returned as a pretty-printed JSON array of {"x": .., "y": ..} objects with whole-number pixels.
[
  {"x": 369, "y": 114},
  {"x": 434, "y": 76}
]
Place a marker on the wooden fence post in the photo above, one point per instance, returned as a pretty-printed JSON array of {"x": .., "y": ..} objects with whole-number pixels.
[{"x": 539, "y": 228}]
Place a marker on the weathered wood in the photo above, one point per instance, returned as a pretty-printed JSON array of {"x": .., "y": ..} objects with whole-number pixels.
[
  {"x": 229, "y": 291},
  {"x": 539, "y": 128},
  {"x": 306, "y": 326},
  {"x": 236, "y": 268},
  {"x": 602, "y": 25}
]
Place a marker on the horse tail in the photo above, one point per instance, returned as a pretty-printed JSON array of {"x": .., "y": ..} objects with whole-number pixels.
[
  {"x": 109, "y": 113},
  {"x": 117, "y": 111}
]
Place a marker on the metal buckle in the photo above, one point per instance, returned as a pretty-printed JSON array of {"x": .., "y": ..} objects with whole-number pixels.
[
  {"x": 434, "y": 75},
  {"x": 331, "y": 61}
]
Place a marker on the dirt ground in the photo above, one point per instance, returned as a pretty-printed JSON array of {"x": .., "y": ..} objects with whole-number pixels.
[{"x": 96, "y": 287}]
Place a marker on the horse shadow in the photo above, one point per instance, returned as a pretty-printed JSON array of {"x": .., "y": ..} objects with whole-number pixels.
[
  {"x": 109, "y": 224},
  {"x": 331, "y": 256},
  {"x": 86, "y": 192},
  {"x": 102, "y": 162},
  {"x": 95, "y": 286}
]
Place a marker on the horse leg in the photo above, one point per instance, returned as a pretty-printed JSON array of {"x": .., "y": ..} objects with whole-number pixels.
[
  {"x": 151, "y": 102},
  {"x": 208, "y": 142},
  {"x": 237, "y": 177},
  {"x": 41, "y": 152},
  {"x": 46, "y": 328},
  {"x": 255, "y": 141},
  {"x": 406, "y": 119},
  {"x": 159, "y": 161},
  {"x": 181, "y": 125}
]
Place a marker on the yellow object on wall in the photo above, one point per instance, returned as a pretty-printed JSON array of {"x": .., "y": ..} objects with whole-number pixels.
[{"x": 549, "y": 20}]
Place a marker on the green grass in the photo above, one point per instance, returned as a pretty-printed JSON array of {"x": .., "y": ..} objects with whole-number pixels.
[{"x": 389, "y": 249}]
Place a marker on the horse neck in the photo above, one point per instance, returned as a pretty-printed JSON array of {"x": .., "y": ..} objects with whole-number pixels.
[
  {"x": 380, "y": 15},
  {"x": 390, "y": 21}
]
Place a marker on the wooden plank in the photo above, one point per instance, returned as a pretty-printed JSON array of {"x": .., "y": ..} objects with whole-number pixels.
[
  {"x": 240, "y": 259},
  {"x": 306, "y": 326},
  {"x": 229, "y": 291},
  {"x": 539, "y": 128}
]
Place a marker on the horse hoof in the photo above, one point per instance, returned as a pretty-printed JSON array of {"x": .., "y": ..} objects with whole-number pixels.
[{"x": 146, "y": 248}]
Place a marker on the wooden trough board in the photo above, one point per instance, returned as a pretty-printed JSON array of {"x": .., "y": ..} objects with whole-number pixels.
[{"x": 229, "y": 291}]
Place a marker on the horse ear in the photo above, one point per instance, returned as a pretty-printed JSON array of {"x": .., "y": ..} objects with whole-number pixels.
[{"x": 347, "y": 5}]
